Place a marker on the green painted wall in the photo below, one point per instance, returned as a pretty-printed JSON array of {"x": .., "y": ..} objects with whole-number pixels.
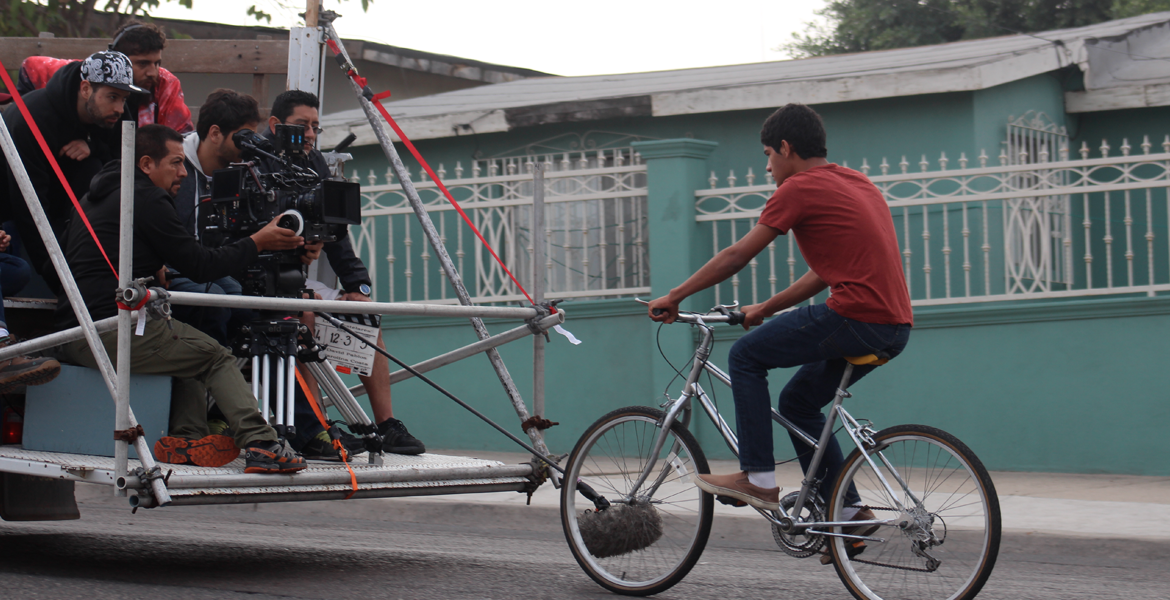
[
  {"x": 1115, "y": 126},
  {"x": 1045, "y": 386}
]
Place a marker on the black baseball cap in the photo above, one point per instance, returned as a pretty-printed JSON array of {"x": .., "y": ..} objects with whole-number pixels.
[{"x": 110, "y": 68}]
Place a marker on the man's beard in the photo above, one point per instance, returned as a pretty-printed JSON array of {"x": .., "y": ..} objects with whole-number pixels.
[{"x": 95, "y": 114}]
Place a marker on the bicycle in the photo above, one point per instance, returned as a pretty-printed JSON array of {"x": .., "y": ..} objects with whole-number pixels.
[{"x": 937, "y": 511}]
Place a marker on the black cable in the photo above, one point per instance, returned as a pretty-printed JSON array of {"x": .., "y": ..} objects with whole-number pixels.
[
  {"x": 677, "y": 373},
  {"x": 340, "y": 325}
]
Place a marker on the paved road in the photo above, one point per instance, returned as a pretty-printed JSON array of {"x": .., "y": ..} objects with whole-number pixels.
[{"x": 416, "y": 550}]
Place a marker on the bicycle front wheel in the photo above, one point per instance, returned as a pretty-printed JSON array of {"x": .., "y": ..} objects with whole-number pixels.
[
  {"x": 651, "y": 537},
  {"x": 945, "y": 536}
]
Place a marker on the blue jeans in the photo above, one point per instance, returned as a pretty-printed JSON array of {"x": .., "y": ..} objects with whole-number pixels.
[
  {"x": 14, "y": 275},
  {"x": 817, "y": 338}
]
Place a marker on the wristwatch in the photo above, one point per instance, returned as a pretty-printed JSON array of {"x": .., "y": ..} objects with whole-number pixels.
[{"x": 364, "y": 289}]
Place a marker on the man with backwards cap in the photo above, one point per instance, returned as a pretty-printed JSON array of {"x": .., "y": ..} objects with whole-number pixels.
[{"x": 82, "y": 102}]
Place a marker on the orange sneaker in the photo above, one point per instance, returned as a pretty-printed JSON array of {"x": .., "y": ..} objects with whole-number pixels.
[{"x": 210, "y": 451}]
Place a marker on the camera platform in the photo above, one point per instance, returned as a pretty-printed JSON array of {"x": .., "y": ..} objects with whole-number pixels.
[{"x": 400, "y": 475}]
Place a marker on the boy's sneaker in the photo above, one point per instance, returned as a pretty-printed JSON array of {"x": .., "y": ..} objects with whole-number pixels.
[
  {"x": 210, "y": 451},
  {"x": 320, "y": 448},
  {"x": 854, "y": 547},
  {"x": 736, "y": 486},
  {"x": 272, "y": 456},
  {"x": 397, "y": 440},
  {"x": 26, "y": 370}
]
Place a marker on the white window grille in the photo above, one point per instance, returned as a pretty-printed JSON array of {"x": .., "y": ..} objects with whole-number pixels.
[{"x": 1037, "y": 229}]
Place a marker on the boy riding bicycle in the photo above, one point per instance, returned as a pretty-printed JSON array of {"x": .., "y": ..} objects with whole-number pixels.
[{"x": 846, "y": 235}]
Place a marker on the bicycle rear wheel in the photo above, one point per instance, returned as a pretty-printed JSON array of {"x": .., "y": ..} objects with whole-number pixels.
[
  {"x": 609, "y": 458},
  {"x": 947, "y": 523}
]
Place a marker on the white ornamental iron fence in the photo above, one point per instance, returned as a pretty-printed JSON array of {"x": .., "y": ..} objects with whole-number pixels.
[
  {"x": 595, "y": 229},
  {"x": 984, "y": 233}
]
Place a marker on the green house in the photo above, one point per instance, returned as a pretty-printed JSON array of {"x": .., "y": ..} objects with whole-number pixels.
[{"x": 1026, "y": 174}]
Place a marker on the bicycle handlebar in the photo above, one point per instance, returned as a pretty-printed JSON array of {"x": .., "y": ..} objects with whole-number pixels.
[{"x": 732, "y": 318}]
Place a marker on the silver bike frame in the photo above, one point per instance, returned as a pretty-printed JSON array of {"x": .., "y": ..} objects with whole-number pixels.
[{"x": 692, "y": 389}]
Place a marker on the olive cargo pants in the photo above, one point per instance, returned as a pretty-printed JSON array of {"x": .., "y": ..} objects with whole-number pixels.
[{"x": 199, "y": 364}]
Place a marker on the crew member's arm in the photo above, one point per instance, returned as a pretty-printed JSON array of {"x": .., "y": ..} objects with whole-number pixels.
[
  {"x": 725, "y": 264},
  {"x": 350, "y": 269}
]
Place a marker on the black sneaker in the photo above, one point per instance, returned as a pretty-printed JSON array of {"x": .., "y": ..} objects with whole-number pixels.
[
  {"x": 397, "y": 440},
  {"x": 272, "y": 457},
  {"x": 320, "y": 448},
  {"x": 352, "y": 443}
]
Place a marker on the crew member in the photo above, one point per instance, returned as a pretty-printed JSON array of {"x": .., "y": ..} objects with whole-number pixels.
[
  {"x": 144, "y": 44},
  {"x": 296, "y": 107},
  {"x": 173, "y": 348},
  {"x": 208, "y": 149},
  {"x": 75, "y": 113}
]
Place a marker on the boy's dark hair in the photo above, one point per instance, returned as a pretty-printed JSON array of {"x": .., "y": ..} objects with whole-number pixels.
[
  {"x": 286, "y": 102},
  {"x": 136, "y": 37},
  {"x": 229, "y": 109},
  {"x": 151, "y": 140},
  {"x": 801, "y": 126}
]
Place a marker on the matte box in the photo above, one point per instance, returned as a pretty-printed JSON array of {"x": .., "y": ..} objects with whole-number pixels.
[{"x": 74, "y": 413}]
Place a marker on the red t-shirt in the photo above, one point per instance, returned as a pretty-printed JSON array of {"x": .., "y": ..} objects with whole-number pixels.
[{"x": 846, "y": 235}]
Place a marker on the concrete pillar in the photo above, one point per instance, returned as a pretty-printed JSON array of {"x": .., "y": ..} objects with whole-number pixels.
[{"x": 674, "y": 170}]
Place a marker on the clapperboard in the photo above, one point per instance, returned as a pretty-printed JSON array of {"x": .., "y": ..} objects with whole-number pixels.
[{"x": 348, "y": 354}]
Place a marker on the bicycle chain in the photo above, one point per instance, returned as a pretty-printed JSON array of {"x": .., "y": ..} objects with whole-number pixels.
[{"x": 878, "y": 564}]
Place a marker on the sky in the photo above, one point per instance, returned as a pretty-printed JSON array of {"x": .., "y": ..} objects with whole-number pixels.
[{"x": 564, "y": 38}]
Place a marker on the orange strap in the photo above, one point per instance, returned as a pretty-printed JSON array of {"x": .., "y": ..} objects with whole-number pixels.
[{"x": 325, "y": 423}]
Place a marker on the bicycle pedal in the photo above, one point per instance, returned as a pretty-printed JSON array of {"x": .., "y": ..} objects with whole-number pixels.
[{"x": 728, "y": 500}]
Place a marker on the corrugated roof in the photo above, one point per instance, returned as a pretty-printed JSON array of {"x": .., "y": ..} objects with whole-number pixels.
[{"x": 958, "y": 66}]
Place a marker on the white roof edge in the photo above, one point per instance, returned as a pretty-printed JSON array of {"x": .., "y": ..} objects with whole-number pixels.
[
  {"x": 1013, "y": 62},
  {"x": 421, "y": 128},
  {"x": 1136, "y": 96}
]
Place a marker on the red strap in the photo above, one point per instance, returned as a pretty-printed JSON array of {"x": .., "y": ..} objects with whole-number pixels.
[
  {"x": 36, "y": 131},
  {"x": 325, "y": 423},
  {"x": 124, "y": 306},
  {"x": 431, "y": 173}
]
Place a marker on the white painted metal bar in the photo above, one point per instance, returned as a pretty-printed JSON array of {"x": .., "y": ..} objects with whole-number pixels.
[
  {"x": 280, "y": 401},
  {"x": 340, "y": 306},
  {"x": 538, "y": 258},
  {"x": 125, "y": 270},
  {"x": 61, "y": 337},
  {"x": 337, "y": 477}
]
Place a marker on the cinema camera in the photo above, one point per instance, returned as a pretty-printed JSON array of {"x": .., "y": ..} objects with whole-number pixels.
[{"x": 269, "y": 185}]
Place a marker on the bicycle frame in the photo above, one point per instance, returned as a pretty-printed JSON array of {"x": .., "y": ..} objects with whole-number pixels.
[{"x": 859, "y": 433}]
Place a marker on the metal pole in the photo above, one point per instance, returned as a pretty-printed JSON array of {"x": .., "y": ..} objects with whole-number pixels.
[
  {"x": 105, "y": 367},
  {"x": 61, "y": 337},
  {"x": 538, "y": 259},
  {"x": 432, "y": 234},
  {"x": 472, "y": 349},
  {"x": 339, "y": 306},
  {"x": 125, "y": 266}
]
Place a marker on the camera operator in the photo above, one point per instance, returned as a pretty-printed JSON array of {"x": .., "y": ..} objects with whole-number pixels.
[
  {"x": 173, "y": 348},
  {"x": 296, "y": 107},
  {"x": 208, "y": 149}
]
